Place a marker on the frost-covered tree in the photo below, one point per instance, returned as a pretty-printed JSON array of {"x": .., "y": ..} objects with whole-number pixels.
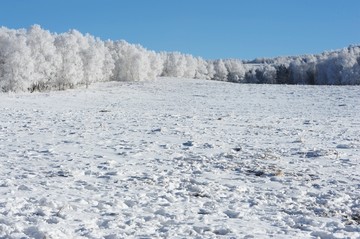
[
  {"x": 16, "y": 63},
  {"x": 44, "y": 56},
  {"x": 35, "y": 59},
  {"x": 260, "y": 74},
  {"x": 71, "y": 68},
  {"x": 303, "y": 70},
  {"x": 210, "y": 70},
  {"x": 250, "y": 75},
  {"x": 174, "y": 64},
  {"x": 95, "y": 58},
  {"x": 350, "y": 74},
  {"x": 202, "y": 71},
  {"x": 108, "y": 63},
  {"x": 156, "y": 64},
  {"x": 190, "y": 66},
  {"x": 132, "y": 62},
  {"x": 266, "y": 74},
  {"x": 184, "y": 65},
  {"x": 220, "y": 70},
  {"x": 236, "y": 70},
  {"x": 328, "y": 70},
  {"x": 282, "y": 74}
]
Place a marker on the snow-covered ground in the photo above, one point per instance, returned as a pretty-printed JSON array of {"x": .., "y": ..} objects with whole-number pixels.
[{"x": 181, "y": 158}]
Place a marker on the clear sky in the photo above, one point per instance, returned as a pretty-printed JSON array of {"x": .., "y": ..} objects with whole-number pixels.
[{"x": 213, "y": 29}]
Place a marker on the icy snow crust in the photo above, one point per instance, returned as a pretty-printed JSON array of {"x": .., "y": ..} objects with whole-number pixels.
[{"x": 181, "y": 158}]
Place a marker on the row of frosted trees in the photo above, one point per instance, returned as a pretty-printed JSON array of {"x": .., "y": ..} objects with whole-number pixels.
[{"x": 35, "y": 59}]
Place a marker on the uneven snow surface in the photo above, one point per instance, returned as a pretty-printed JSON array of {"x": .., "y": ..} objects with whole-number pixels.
[{"x": 178, "y": 158}]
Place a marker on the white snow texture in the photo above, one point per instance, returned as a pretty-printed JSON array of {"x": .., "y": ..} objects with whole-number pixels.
[{"x": 181, "y": 158}]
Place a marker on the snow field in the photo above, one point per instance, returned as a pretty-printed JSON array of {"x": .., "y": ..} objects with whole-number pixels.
[{"x": 179, "y": 158}]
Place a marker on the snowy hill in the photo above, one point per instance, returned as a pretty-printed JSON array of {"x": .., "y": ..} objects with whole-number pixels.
[{"x": 181, "y": 158}]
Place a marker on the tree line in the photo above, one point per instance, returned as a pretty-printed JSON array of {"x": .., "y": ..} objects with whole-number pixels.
[{"x": 35, "y": 59}]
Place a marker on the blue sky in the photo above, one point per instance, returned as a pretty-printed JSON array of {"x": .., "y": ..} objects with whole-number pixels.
[{"x": 208, "y": 28}]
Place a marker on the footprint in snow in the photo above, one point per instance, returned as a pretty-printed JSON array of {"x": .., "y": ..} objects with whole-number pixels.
[{"x": 188, "y": 143}]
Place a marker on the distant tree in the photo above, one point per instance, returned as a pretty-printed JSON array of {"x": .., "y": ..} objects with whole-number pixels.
[
  {"x": 265, "y": 75},
  {"x": 44, "y": 56},
  {"x": 250, "y": 76},
  {"x": 328, "y": 72},
  {"x": 35, "y": 59},
  {"x": 302, "y": 71},
  {"x": 156, "y": 64},
  {"x": 190, "y": 66},
  {"x": 96, "y": 60},
  {"x": 202, "y": 71},
  {"x": 236, "y": 70},
  {"x": 350, "y": 74},
  {"x": 174, "y": 64},
  {"x": 282, "y": 74},
  {"x": 108, "y": 64},
  {"x": 17, "y": 66},
  {"x": 133, "y": 62},
  {"x": 210, "y": 70},
  {"x": 71, "y": 68},
  {"x": 220, "y": 71}
]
